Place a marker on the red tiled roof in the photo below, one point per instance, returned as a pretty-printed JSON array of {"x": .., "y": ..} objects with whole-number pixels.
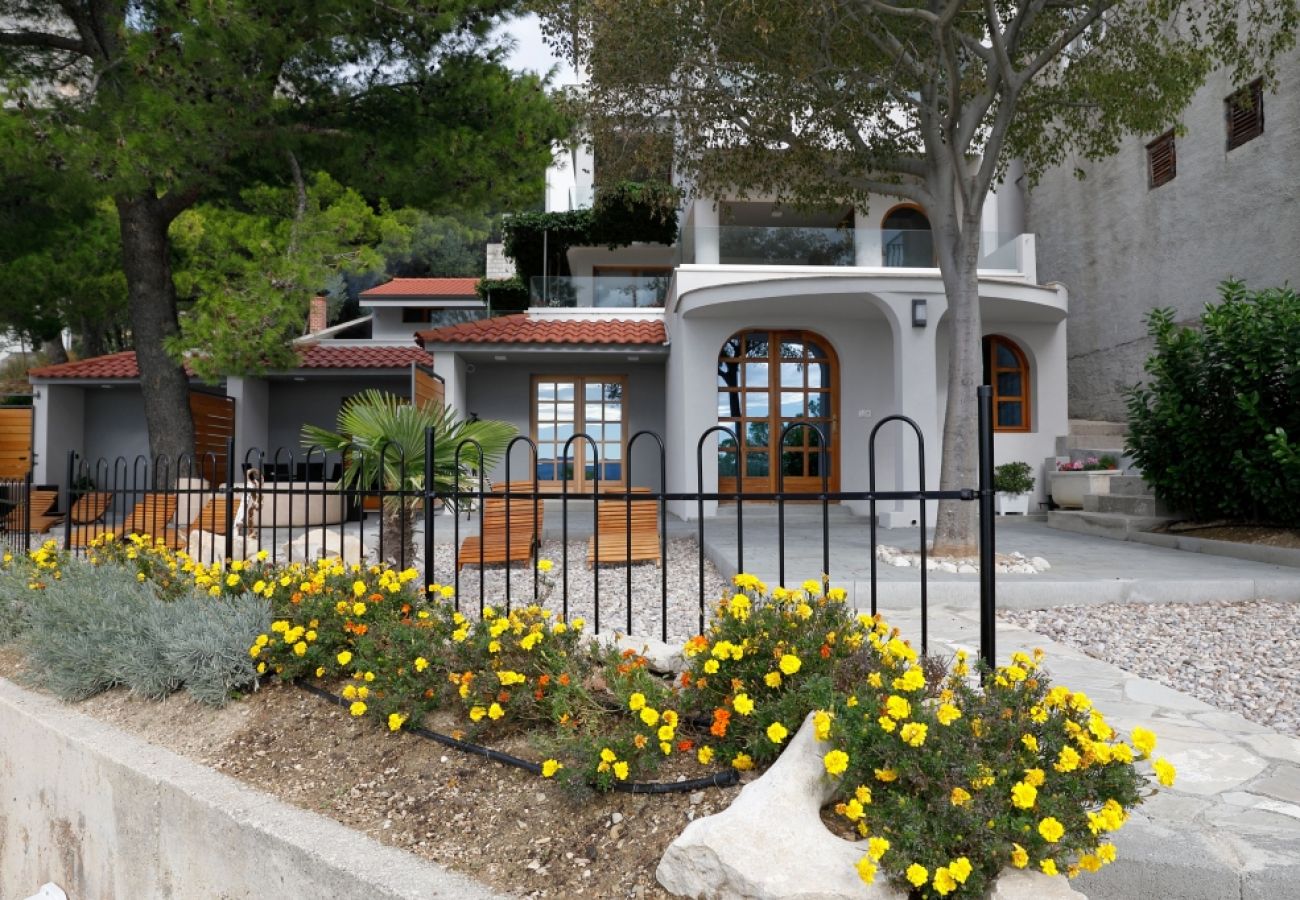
[
  {"x": 523, "y": 329},
  {"x": 315, "y": 356},
  {"x": 416, "y": 288}
]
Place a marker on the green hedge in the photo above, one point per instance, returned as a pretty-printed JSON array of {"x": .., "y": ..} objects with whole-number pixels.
[{"x": 1214, "y": 429}]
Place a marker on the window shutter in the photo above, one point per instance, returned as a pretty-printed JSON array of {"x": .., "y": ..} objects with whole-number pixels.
[
  {"x": 1244, "y": 111},
  {"x": 1162, "y": 160}
]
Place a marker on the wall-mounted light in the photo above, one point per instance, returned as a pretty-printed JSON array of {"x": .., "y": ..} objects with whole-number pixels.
[{"x": 918, "y": 313}]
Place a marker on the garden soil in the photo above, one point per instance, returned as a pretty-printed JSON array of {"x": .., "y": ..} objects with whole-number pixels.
[{"x": 514, "y": 831}]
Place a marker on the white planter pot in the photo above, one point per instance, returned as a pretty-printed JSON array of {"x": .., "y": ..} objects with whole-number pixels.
[
  {"x": 1068, "y": 488},
  {"x": 1012, "y": 504}
]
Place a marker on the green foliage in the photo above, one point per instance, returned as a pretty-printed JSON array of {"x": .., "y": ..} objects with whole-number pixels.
[
  {"x": 1213, "y": 429},
  {"x": 623, "y": 214},
  {"x": 97, "y": 627},
  {"x": 503, "y": 294},
  {"x": 1014, "y": 478}
]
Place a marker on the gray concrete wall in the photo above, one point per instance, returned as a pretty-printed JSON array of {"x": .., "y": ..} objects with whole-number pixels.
[
  {"x": 115, "y": 424},
  {"x": 1123, "y": 249},
  {"x": 103, "y": 814},
  {"x": 503, "y": 391},
  {"x": 58, "y": 426},
  {"x": 316, "y": 401}
]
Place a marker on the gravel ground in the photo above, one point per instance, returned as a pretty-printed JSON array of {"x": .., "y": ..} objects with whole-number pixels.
[
  {"x": 647, "y": 588},
  {"x": 1238, "y": 656}
]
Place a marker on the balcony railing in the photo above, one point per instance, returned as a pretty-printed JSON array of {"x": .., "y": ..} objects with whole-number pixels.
[
  {"x": 784, "y": 245},
  {"x": 607, "y": 291}
]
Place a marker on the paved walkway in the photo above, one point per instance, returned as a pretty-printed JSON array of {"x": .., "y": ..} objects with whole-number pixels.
[{"x": 1230, "y": 828}]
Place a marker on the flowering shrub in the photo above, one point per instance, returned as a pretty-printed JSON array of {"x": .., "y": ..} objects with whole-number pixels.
[{"x": 1091, "y": 464}]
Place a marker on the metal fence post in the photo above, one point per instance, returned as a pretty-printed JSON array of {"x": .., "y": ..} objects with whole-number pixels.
[
  {"x": 67, "y": 518},
  {"x": 429, "y": 500},
  {"x": 988, "y": 602},
  {"x": 230, "y": 498}
]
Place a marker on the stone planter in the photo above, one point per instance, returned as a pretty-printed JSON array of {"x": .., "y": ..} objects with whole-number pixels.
[
  {"x": 1068, "y": 488},
  {"x": 1012, "y": 504}
]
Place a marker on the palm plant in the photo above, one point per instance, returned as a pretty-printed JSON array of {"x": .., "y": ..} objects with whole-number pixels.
[{"x": 382, "y": 438}]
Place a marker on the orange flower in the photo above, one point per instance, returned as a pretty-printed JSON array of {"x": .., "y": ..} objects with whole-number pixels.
[
  {"x": 628, "y": 653},
  {"x": 564, "y": 679},
  {"x": 721, "y": 718},
  {"x": 375, "y": 598},
  {"x": 428, "y": 694},
  {"x": 503, "y": 697},
  {"x": 544, "y": 680},
  {"x": 406, "y": 609},
  {"x": 825, "y": 651},
  {"x": 686, "y": 679},
  {"x": 640, "y": 741},
  {"x": 685, "y": 746},
  {"x": 539, "y": 694}
]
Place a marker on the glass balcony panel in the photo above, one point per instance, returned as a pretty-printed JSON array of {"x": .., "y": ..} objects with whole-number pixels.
[{"x": 601, "y": 291}]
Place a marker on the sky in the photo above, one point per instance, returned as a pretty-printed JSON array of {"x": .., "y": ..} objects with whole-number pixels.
[{"x": 531, "y": 52}]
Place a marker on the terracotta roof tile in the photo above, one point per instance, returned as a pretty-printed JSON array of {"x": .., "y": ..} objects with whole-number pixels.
[
  {"x": 523, "y": 329},
  {"x": 316, "y": 356},
  {"x": 417, "y": 288}
]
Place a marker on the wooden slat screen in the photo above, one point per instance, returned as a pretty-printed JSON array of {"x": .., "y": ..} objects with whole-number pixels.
[
  {"x": 426, "y": 388},
  {"x": 1162, "y": 160},
  {"x": 1244, "y": 111},
  {"x": 15, "y": 441},
  {"x": 214, "y": 425}
]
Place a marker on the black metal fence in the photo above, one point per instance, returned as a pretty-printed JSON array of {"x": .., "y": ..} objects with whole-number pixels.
[{"x": 299, "y": 507}]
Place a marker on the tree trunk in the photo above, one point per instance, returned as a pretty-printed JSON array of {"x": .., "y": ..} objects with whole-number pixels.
[
  {"x": 54, "y": 350},
  {"x": 151, "y": 299},
  {"x": 955, "y": 526},
  {"x": 398, "y": 524}
]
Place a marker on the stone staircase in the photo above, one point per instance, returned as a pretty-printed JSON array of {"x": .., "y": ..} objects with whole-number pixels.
[{"x": 1126, "y": 505}]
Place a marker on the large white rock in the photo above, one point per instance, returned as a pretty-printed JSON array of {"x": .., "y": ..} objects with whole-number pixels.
[
  {"x": 209, "y": 547},
  {"x": 316, "y": 543},
  {"x": 661, "y": 658},
  {"x": 771, "y": 843},
  {"x": 1022, "y": 884}
]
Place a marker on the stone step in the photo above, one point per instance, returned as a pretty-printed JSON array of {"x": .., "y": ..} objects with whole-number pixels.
[
  {"x": 1130, "y": 486},
  {"x": 1095, "y": 426},
  {"x": 1089, "y": 443},
  {"x": 1126, "y": 504},
  {"x": 1110, "y": 525}
]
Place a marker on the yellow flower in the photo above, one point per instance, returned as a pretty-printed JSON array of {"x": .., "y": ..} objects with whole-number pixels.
[
  {"x": 650, "y": 716},
  {"x": 363, "y": 692},
  {"x": 886, "y": 775},
  {"x": 944, "y": 883},
  {"x": 1165, "y": 772},
  {"x": 421, "y": 664},
  {"x": 711, "y": 667},
  {"x": 1024, "y": 795},
  {"x": 742, "y": 762},
  {"x": 1035, "y": 777},
  {"x": 670, "y": 718},
  {"x": 866, "y": 870},
  {"x": 947, "y": 713},
  {"x": 358, "y": 588},
  {"x": 369, "y": 676},
  {"x": 1051, "y": 830},
  {"x": 544, "y": 566},
  {"x": 358, "y": 609},
  {"x": 1068, "y": 761},
  {"x": 357, "y": 708},
  {"x": 530, "y": 640},
  {"x": 636, "y": 702},
  {"x": 395, "y": 721},
  {"x": 877, "y": 847},
  {"x": 776, "y": 732},
  {"x": 1144, "y": 740},
  {"x": 255, "y": 650},
  {"x": 300, "y": 648},
  {"x": 665, "y": 732},
  {"x": 320, "y": 671},
  {"x": 822, "y": 724},
  {"x": 608, "y": 755},
  {"x": 836, "y": 762},
  {"x": 232, "y": 580},
  {"x": 1019, "y": 857},
  {"x": 344, "y": 658},
  {"x": 495, "y": 711},
  {"x": 1049, "y": 867},
  {"x": 913, "y": 733},
  {"x": 1106, "y": 853},
  {"x": 790, "y": 664},
  {"x": 772, "y": 679},
  {"x": 911, "y": 680},
  {"x": 739, "y": 607},
  {"x": 620, "y": 771},
  {"x": 874, "y": 679},
  {"x": 959, "y": 797},
  {"x": 743, "y": 704},
  {"x": 1030, "y": 742},
  {"x": 350, "y": 692},
  {"x": 704, "y": 755},
  {"x": 803, "y": 611},
  {"x": 897, "y": 707},
  {"x": 917, "y": 874},
  {"x": 550, "y": 766}
]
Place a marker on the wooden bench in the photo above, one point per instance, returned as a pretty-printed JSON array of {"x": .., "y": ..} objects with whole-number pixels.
[
  {"x": 150, "y": 516},
  {"x": 611, "y": 525},
  {"x": 39, "y": 502},
  {"x": 90, "y": 508},
  {"x": 494, "y": 543}
]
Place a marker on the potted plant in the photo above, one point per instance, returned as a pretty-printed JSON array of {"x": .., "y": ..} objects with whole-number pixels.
[
  {"x": 1074, "y": 478},
  {"x": 1013, "y": 481}
]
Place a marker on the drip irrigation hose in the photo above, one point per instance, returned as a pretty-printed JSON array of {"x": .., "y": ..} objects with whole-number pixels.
[{"x": 722, "y": 778}]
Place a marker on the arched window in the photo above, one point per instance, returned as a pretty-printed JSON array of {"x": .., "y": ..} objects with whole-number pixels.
[
  {"x": 905, "y": 238},
  {"x": 1006, "y": 369}
]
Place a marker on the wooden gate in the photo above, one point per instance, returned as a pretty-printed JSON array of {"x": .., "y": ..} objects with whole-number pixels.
[
  {"x": 15, "y": 441},
  {"x": 214, "y": 425},
  {"x": 426, "y": 387}
]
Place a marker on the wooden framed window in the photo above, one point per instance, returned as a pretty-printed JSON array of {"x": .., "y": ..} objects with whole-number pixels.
[
  {"x": 1244, "y": 112},
  {"x": 565, "y": 405},
  {"x": 1162, "y": 160},
  {"x": 1007, "y": 370}
]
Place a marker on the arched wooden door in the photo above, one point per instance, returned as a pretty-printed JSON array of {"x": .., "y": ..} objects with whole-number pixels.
[{"x": 767, "y": 380}]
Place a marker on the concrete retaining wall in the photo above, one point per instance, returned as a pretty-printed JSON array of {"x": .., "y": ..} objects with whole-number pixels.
[{"x": 105, "y": 815}]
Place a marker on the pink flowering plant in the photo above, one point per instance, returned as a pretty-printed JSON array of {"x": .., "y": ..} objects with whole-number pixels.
[{"x": 1089, "y": 464}]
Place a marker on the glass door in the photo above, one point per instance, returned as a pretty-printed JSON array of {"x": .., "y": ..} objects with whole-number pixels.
[{"x": 567, "y": 405}]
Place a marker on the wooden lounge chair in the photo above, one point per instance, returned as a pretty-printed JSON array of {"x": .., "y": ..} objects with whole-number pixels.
[
  {"x": 611, "y": 524},
  {"x": 498, "y": 546},
  {"x": 150, "y": 516},
  {"x": 211, "y": 519},
  {"x": 42, "y": 520},
  {"x": 90, "y": 508}
]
